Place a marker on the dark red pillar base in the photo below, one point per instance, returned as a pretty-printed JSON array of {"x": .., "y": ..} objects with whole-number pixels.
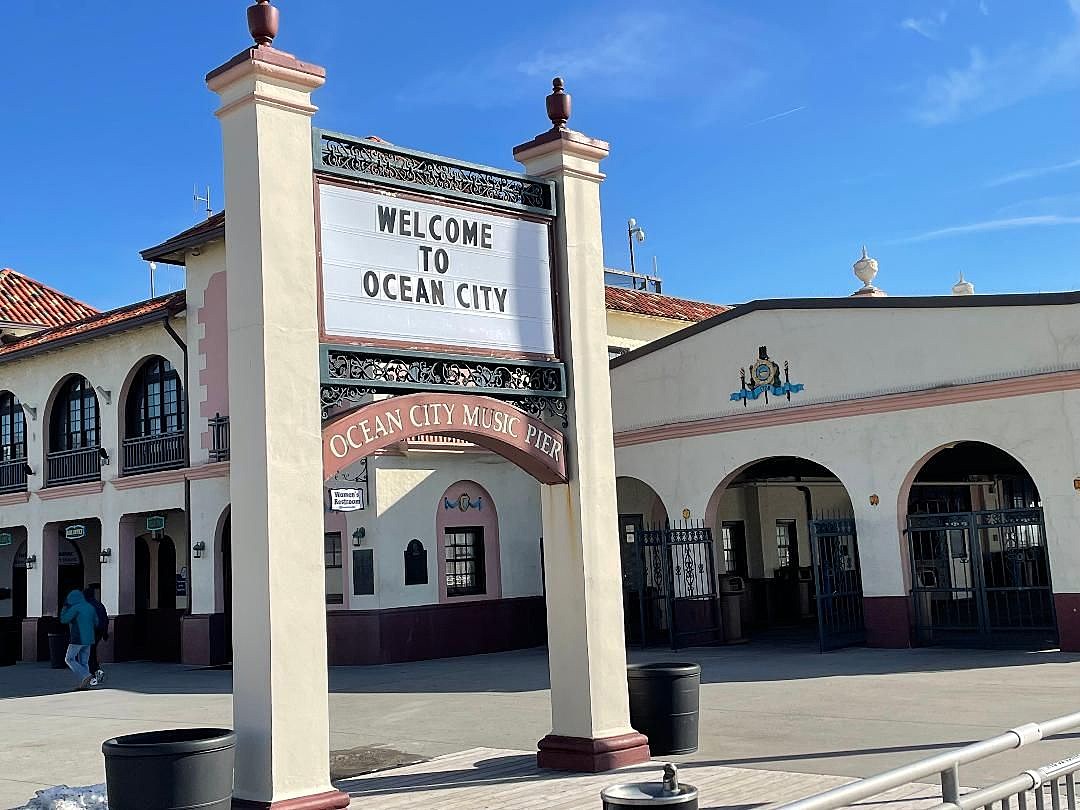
[
  {"x": 120, "y": 645},
  {"x": 586, "y": 755},
  {"x": 202, "y": 640},
  {"x": 887, "y": 622},
  {"x": 1068, "y": 621},
  {"x": 35, "y": 636},
  {"x": 331, "y": 800}
]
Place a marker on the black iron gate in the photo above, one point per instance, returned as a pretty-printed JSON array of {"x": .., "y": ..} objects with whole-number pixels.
[
  {"x": 837, "y": 582},
  {"x": 676, "y": 586},
  {"x": 981, "y": 577}
]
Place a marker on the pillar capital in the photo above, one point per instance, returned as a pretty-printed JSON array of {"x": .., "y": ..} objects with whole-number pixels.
[
  {"x": 562, "y": 150},
  {"x": 266, "y": 75}
]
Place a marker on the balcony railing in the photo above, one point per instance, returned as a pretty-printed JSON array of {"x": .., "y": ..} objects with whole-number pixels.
[
  {"x": 219, "y": 437},
  {"x": 161, "y": 451},
  {"x": 13, "y": 475},
  {"x": 73, "y": 466}
]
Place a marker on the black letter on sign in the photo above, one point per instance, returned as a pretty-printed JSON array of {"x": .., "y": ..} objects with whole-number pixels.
[
  {"x": 425, "y": 254},
  {"x": 386, "y": 219},
  {"x": 468, "y": 232},
  {"x": 485, "y": 235},
  {"x": 442, "y": 261},
  {"x": 371, "y": 284}
]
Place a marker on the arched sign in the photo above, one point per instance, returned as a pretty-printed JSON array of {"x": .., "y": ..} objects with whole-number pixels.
[{"x": 533, "y": 445}]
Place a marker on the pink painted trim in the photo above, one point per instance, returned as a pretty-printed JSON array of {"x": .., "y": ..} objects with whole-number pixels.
[
  {"x": 71, "y": 491},
  {"x": 214, "y": 346},
  {"x": 14, "y": 499},
  {"x": 218, "y": 469},
  {"x": 488, "y": 519},
  {"x": 153, "y": 479},
  {"x": 886, "y": 403}
]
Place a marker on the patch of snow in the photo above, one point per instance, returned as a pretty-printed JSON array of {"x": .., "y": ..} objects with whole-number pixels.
[{"x": 63, "y": 797}]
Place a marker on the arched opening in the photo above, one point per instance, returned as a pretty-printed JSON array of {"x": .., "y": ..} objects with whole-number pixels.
[
  {"x": 74, "y": 452},
  {"x": 154, "y": 430},
  {"x": 71, "y": 570},
  {"x": 225, "y": 544},
  {"x": 157, "y": 619},
  {"x": 12, "y": 444},
  {"x": 976, "y": 544},
  {"x": 784, "y": 531},
  {"x": 645, "y": 613},
  {"x": 467, "y": 537}
]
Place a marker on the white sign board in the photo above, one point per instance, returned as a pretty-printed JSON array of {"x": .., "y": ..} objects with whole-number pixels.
[
  {"x": 346, "y": 500},
  {"x": 433, "y": 274}
]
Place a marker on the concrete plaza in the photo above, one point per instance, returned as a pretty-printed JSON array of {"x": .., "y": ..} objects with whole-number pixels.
[{"x": 776, "y": 707}]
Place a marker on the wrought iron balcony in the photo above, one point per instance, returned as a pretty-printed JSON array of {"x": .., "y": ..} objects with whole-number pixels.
[
  {"x": 73, "y": 466},
  {"x": 160, "y": 451},
  {"x": 13, "y": 475},
  {"x": 219, "y": 437}
]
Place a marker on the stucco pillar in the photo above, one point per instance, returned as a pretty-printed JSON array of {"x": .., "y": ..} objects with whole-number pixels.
[
  {"x": 589, "y": 704},
  {"x": 882, "y": 562},
  {"x": 280, "y": 705}
]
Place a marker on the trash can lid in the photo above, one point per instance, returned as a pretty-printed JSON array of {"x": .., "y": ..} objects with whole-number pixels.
[
  {"x": 647, "y": 794},
  {"x": 169, "y": 742},
  {"x": 663, "y": 669}
]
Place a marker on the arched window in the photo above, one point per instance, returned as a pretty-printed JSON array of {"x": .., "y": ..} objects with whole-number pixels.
[
  {"x": 155, "y": 404},
  {"x": 74, "y": 423},
  {"x": 12, "y": 428}
]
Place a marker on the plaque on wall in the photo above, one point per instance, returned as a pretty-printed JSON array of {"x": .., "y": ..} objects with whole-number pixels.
[
  {"x": 363, "y": 571},
  {"x": 416, "y": 572}
]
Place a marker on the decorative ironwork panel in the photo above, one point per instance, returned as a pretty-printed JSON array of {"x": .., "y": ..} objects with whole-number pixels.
[
  {"x": 385, "y": 164},
  {"x": 837, "y": 582},
  {"x": 350, "y": 373}
]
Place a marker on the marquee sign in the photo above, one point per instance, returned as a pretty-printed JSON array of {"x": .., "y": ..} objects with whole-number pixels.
[
  {"x": 430, "y": 273},
  {"x": 534, "y": 446}
]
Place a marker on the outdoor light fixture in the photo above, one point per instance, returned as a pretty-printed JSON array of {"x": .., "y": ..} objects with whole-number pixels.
[
  {"x": 633, "y": 231},
  {"x": 28, "y": 469},
  {"x": 358, "y": 536},
  {"x": 104, "y": 455},
  {"x": 31, "y": 561},
  {"x": 199, "y": 548},
  {"x": 30, "y": 411},
  {"x": 106, "y": 555},
  {"x": 106, "y": 393},
  {"x": 1076, "y": 484}
]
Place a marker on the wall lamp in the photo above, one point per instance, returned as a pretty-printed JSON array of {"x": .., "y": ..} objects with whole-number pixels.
[
  {"x": 103, "y": 454},
  {"x": 28, "y": 469},
  {"x": 199, "y": 548},
  {"x": 30, "y": 411},
  {"x": 106, "y": 555},
  {"x": 106, "y": 393},
  {"x": 358, "y": 536},
  {"x": 31, "y": 561}
]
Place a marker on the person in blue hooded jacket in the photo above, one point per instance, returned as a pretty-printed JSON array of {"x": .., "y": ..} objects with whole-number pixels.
[{"x": 80, "y": 617}]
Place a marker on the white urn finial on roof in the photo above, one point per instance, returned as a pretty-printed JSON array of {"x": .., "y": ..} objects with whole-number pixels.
[
  {"x": 866, "y": 269},
  {"x": 963, "y": 287}
]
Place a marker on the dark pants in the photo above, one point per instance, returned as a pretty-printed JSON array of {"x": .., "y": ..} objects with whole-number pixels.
[{"x": 94, "y": 663}]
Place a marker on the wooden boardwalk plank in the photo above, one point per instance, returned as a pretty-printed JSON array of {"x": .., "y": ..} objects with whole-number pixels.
[{"x": 493, "y": 779}]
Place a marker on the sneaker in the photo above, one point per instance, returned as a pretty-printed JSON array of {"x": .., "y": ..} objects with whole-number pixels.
[
  {"x": 94, "y": 682},
  {"x": 99, "y": 676},
  {"x": 84, "y": 684}
]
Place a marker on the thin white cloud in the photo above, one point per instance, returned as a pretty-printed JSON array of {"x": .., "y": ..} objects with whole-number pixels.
[
  {"x": 1028, "y": 174},
  {"x": 991, "y": 82},
  {"x": 779, "y": 115},
  {"x": 1012, "y": 223},
  {"x": 1039, "y": 205},
  {"x": 928, "y": 27},
  {"x": 983, "y": 8}
]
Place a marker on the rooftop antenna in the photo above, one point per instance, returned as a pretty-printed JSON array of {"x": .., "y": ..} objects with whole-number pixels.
[
  {"x": 196, "y": 199},
  {"x": 656, "y": 274}
]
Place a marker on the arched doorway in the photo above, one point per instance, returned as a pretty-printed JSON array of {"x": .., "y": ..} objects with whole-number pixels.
[
  {"x": 157, "y": 619},
  {"x": 71, "y": 570},
  {"x": 226, "y": 582},
  {"x": 976, "y": 545},
  {"x": 785, "y": 536},
  {"x": 646, "y": 616}
]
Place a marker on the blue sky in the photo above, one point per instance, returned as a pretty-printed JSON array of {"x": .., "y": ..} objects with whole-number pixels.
[{"x": 759, "y": 142}]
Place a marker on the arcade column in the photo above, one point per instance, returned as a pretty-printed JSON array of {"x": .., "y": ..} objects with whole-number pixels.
[
  {"x": 118, "y": 587},
  {"x": 589, "y": 703},
  {"x": 280, "y": 703}
]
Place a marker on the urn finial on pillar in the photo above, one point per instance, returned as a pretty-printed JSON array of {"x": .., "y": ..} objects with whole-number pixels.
[
  {"x": 263, "y": 20},
  {"x": 866, "y": 268},
  {"x": 558, "y": 104}
]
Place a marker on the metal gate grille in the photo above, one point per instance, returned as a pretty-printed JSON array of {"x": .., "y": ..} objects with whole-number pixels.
[
  {"x": 981, "y": 577},
  {"x": 837, "y": 582},
  {"x": 677, "y": 586}
]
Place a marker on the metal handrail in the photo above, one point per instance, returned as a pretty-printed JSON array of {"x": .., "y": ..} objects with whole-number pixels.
[
  {"x": 945, "y": 764},
  {"x": 1020, "y": 785}
]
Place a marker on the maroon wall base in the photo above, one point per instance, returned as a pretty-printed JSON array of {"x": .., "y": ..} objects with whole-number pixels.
[
  {"x": 1068, "y": 621},
  {"x": 331, "y": 800},
  {"x": 202, "y": 640},
  {"x": 121, "y": 643},
  {"x": 357, "y": 637},
  {"x": 887, "y": 621},
  {"x": 584, "y": 755},
  {"x": 35, "y": 637}
]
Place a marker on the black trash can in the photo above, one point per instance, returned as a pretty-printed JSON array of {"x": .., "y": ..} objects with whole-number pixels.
[
  {"x": 58, "y": 644},
  {"x": 664, "y": 705},
  {"x": 170, "y": 770}
]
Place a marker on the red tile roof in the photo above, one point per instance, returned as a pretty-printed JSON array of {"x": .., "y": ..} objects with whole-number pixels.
[
  {"x": 95, "y": 325},
  {"x": 28, "y": 302},
  {"x": 640, "y": 302}
]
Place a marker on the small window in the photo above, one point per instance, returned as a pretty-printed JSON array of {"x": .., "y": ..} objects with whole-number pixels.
[
  {"x": 785, "y": 539},
  {"x": 464, "y": 550},
  {"x": 332, "y": 549},
  {"x": 727, "y": 547}
]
